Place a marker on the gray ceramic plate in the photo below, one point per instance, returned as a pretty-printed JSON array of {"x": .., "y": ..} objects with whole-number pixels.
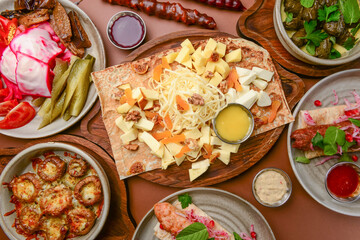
[
  {"x": 312, "y": 177},
  {"x": 21, "y": 163},
  {"x": 97, "y": 50},
  {"x": 231, "y": 211}
]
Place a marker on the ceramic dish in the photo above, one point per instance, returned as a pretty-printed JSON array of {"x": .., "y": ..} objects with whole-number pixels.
[
  {"x": 286, "y": 195},
  {"x": 288, "y": 44},
  {"x": 21, "y": 164},
  {"x": 29, "y": 131},
  {"x": 312, "y": 177},
  {"x": 229, "y": 210}
]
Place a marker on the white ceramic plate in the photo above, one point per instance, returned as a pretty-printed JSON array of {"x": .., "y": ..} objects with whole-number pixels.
[
  {"x": 232, "y": 212},
  {"x": 312, "y": 177},
  {"x": 21, "y": 163},
  {"x": 97, "y": 50}
]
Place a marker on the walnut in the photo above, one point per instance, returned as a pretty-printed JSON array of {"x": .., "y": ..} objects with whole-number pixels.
[
  {"x": 208, "y": 74},
  {"x": 137, "y": 167},
  {"x": 192, "y": 144},
  {"x": 131, "y": 147},
  {"x": 117, "y": 95},
  {"x": 196, "y": 99},
  {"x": 223, "y": 87},
  {"x": 214, "y": 57},
  {"x": 133, "y": 116}
]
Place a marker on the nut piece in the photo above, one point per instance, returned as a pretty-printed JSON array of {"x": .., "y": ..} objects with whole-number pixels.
[
  {"x": 208, "y": 74},
  {"x": 223, "y": 87},
  {"x": 131, "y": 147},
  {"x": 192, "y": 144},
  {"x": 196, "y": 99},
  {"x": 214, "y": 57},
  {"x": 133, "y": 116}
]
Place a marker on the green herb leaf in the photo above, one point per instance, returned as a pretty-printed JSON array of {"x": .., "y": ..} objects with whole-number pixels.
[
  {"x": 289, "y": 17},
  {"x": 318, "y": 140},
  {"x": 314, "y": 36},
  {"x": 355, "y": 122},
  {"x": 345, "y": 158},
  {"x": 349, "y": 43},
  {"x": 310, "y": 26},
  {"x": 310, "y": 48},
  {"x": 350, "y": 10},
  {"x": 346, "y": 146},
  {"x": 195, "y": 231},
  {"x": 334, "y": 53},
  {"x": 329, "y": 14},
  {"x": 185, "y": 200},
  {"x": 302, "y": 160},
  {"x": 211, "y": 239},
  {"x": 237, "y": 236},
  {"x": 333, "y": 136},
  {"x": 355, "y": 30},
  {"x": 307, "y": 3}
]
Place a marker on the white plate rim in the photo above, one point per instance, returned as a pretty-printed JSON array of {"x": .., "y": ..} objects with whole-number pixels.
[
  {"x": 68, "y": 4},
  {"x": 289, "y": 148},
  {"x": 189, "y": 190}
]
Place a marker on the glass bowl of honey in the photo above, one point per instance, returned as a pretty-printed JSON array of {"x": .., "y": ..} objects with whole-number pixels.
[
  {"x": 234, "y": 124},
  {"x": 126, "y": 30},
  {"x": 342, "y": 182}
]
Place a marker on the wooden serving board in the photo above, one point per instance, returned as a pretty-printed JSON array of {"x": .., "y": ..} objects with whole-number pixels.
[
  {"x": 257, "y": 25},
  {"x": 118, "y": 224},
  {"x": 93, "y": 128}
]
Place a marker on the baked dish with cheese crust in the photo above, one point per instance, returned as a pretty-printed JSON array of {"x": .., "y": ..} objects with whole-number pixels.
[{"x": 61, "y": 199}]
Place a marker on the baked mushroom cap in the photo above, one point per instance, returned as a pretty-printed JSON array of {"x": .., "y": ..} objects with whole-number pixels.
[
  {"x": 81, "y": 220},
  {"x": 25, "y": 187},
  {"x": 55, "y": 228},
  {"x": 54, "y": 201},
  {"x": 51, "y": 168},
  {"x": 77, "y": 167},
  {"x": 29, "y": 219},
  {"x": 88, "y": 191}
]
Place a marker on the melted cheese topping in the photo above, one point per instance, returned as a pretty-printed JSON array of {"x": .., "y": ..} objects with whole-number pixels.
[
  {"x": 25, "y": 189},
  {"x": 88, "y": 191},
  {"x": 185, "y": 83},
  {"x": 50, "y": 169}
]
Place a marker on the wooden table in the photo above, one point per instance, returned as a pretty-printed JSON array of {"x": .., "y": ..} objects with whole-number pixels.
[{"x": 300, "y": 218}]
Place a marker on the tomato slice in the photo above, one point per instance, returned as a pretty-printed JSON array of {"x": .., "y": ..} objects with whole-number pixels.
[
  {"x": 6, "y": 106},
  {"x": 4, "y": 93},
  {"x": 19, "y": 116}
]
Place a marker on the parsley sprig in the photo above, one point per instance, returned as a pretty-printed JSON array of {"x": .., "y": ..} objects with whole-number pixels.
[
  {"x": 313, "y": 36},
  {"x": 329, "y": 14}
]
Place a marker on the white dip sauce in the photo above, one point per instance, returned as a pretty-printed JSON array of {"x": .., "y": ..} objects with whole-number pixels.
[{"x": 270, "y": 186}]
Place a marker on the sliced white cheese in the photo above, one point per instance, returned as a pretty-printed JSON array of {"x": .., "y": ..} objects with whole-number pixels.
[
  {"x": 234, "y": 56},
  {"x": 205, "y": 132},
  {"x": 144, "y": 124},
  {"x": 196, "y": 54},
  {"x": 243, "y": 71},
  {"x": 167, "y": 159},
  {"x": 174, "y": 148},
  {"x": 246, "y": 80},
  {"x": 188, "y": 63},
  {"x": 124, "y": 125},
  {"x": 147, "y": 138},
  {"x": 193, "y": 154},
  {"x": 179, "y": 160},
  {"x": 129, "y": 136},
  {"x": 244, "y": 90},
  {"x": 264, "y": 99},
  {"x": 261, "y": 84},
  {"x": 160, "y": 152},
  {"x": 123, "y": 108},
  {"x": 231, "y": 95},
  {"x": 233, "y": 148},
  {"x": 215, "y": 141},
  {"x": 171, "y": 57},
  {"x": 188, "y": 44},
  {"x": 224, "y": 156},
  {"x": 216, "y": 80},
  {"x": 125, "y": 86},
  {"x": 248, "y": 99},
  {"x": 193, "y": 133},
  {"x": 149, "y": 105},
  {"x": 150, "y": 94},
  {"x": 136, "y": 94},
  {"x": 183, "y": 55},
  {"x": 263, "y": 74},
  {"x": 195, "y": 173},
  {"x": 220, "y": 49},
  {"x": 201, "y": 164}
]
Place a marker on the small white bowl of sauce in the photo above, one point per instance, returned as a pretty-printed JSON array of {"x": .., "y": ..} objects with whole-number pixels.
[
  {"x": 342, "y": 182},
  {"x": 126, "y": 30},
  {"x": 234, "y": 124},
  {"x": 272, "y": 187}
]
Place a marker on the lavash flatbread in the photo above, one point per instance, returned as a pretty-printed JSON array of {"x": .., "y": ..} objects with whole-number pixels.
[
  {"x": 164, "y": 235},
  {"x": 130, "y": 163}
]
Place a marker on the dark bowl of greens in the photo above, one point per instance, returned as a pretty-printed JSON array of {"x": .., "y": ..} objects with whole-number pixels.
[{"x": 319, "y": 32}]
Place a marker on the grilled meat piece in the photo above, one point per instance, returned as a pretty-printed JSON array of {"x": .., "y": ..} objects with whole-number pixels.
[
  {"x": 33, "y": 4},
  {"x": 62, "y": 23},
  {"x": 34, "y": 17},
  {"x": 79, "y": 38},
  {"x": 297, "y": 37},
  {"x": 10, "y": 14}
]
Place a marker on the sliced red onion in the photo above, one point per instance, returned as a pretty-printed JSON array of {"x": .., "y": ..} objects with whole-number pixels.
[
  {"x": 312, "y": 147},
  {"x": 345, "y": 128},
  {"x": 356, "y": 130},
  {"x": 357, "y": 97},
  {"x": 308, "y": 119},
  {"x": 348, "y": 105},
  {"x": 336, "y": 98},
  {"x": 340, "y": 150},
  {"x": 244, "y": 236},
  {"x": 327, "y": 159},
  {"x": 341, "y": 119}
]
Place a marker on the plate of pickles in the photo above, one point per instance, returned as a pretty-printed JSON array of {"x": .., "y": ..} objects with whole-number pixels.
[{"x": 72, "y": 92}]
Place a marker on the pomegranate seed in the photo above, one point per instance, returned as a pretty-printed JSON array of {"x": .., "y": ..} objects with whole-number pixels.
[
  {"x": 350, "y": 113},
  {"x": 354, "y": 158},
  {"x": 211, "y": 224},
  {"x": 161, "y": 227},
  {"x": 253, "y": 235},
  {"x": 317, "y": 103},
  {"x": 349, "y": 137}
]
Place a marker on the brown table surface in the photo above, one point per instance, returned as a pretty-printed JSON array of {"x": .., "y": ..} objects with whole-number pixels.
[{"x": 300, "y": 218}]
